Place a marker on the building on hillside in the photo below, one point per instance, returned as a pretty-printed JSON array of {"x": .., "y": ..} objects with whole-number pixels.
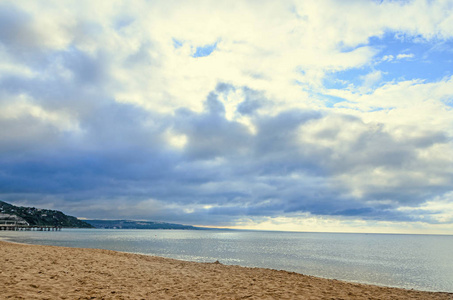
[{"x": 6, "y": 219}]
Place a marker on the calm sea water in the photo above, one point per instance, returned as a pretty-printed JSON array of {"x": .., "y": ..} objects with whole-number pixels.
[{"x": 422, "y": 262}]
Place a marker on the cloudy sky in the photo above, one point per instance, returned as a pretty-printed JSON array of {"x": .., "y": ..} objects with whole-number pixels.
[{"x": 280, "y": 115}]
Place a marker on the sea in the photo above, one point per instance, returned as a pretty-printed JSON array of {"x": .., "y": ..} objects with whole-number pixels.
[{"x": 420, "y": 262}]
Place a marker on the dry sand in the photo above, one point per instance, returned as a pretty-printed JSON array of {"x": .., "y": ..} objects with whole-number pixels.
[{"x": 48, "y": 272}]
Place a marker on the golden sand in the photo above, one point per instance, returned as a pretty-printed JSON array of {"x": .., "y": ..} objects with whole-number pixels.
[{"x": 48, "y": 272}]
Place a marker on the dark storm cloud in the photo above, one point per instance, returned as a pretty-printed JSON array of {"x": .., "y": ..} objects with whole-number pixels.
[
  {"x": 66, "y": 140},
  {"x": 121, "y": 156},
  {"x": 253, "y": 100},
  {"x": 210, "y": 134},
  {"x": 16, "y": 31},
  {"x": 86, "y": 69},
  {"x": 19, "y": 37}
]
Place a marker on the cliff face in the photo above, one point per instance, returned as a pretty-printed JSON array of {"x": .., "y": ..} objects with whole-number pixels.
[{"x": 43, "y": 217}]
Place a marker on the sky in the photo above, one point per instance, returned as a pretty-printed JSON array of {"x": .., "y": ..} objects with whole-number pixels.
[{"x": 274, "y": 115}]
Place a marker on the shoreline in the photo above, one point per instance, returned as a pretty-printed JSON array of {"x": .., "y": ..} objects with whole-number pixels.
[
  {"x": 10, "y": 240},
  {"x": 42, "y": 272}
]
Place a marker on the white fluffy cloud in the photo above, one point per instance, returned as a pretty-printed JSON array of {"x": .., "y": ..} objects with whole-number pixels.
[{"x": 120, "y": 93}]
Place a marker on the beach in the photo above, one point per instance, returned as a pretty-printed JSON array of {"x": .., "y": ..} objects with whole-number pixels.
[{"x": 50, "y": 272}]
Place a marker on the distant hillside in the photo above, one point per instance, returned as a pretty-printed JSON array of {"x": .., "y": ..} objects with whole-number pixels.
[
  {"x": 41, "y": 217},
  {"x": 128, "y": 224}
]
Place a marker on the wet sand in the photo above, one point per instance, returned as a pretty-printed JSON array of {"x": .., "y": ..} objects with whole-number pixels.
[{"x": 49, "y": 272}]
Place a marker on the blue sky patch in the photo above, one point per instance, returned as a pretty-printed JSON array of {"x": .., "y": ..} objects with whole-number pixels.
[
  {"x": 399, "y": 59},
  {"x": 205, "y": 50}
]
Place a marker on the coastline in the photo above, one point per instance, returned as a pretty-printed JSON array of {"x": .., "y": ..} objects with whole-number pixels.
[{"x": 43, "y": 272}]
